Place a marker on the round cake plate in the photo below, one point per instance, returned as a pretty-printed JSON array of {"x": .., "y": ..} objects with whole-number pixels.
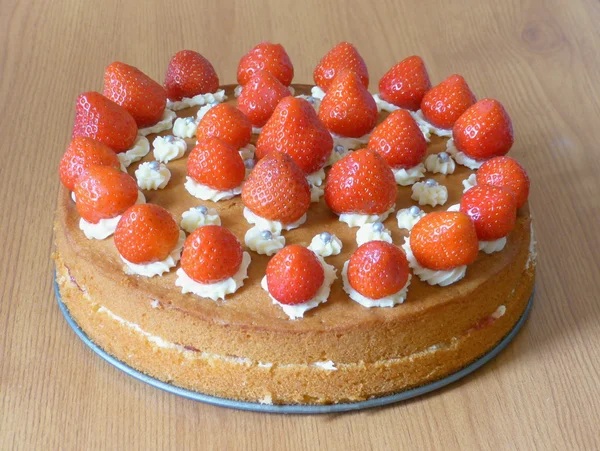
[{"x": 294, "y": 408}]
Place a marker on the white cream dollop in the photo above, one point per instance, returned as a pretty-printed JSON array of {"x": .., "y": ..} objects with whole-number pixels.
[
  {"x": 383, "y": 105},
  {"x": 350, "y": 143},
  {"x": 387, "y": 301},
  {"x": 167, "y": 148},
  {"x": 461, "y": 157},
  {"x": 316, "y": 103},
  {"x": 267, "y": 224},
  {"x": 264, "y": 241},
  {"x": 373, "y": 232},
  {"x": 185, "y": 127},
  {"x": 165, "y": 123},
  {"x": 489, "y": 247},
  {"x": 431, "y": 276},
  {"x": 469, "y": 182},
  {"x": 217, "y": 290},
  {"x": 197, "y": 100},
  {"x": 325, "y": 244},
  {"x": 152, "y": 175},
  {"x": 429, "y": 128},
  {"x": 156, "y": 268},
  {"x": 317, "y": 93},
  {"x": 316, "y": 178},
  {"x": 247, "y": 152},
  {"x": 440, "y": 163},
  {"x": 203, "y": 110},
  {"x": 405, "y": 177},
  {"x": 140, "y": 148},
  {"x": 315, "y": 193},
  {"x": 429, "y": 192},
  {"x": 408, "y": 217},
  {"x": 105, "y": 227},
  {"x": 338, "y": 152},
  {"x": 357, "y": 219},
  {"x": 204, "y": 192},
  {"x": 199, "y": 216},
  {"x": 298, "y": 310}
]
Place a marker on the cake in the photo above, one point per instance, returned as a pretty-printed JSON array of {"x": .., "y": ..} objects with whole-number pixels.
[{"x": 390, "y": 307}]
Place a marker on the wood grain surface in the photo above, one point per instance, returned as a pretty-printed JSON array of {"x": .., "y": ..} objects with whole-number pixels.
[{"x": 540, "y": 58}]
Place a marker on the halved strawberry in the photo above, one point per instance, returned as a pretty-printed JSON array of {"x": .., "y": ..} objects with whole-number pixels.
[
  {"x": 129, "y": 87},
  {"x": 484, "y": 130},
  {"x": 260, "y": 96},
  {"x": 492, "y": 209},
  {"x": 266, "y": 57},
  {"x": 378, "y": 269},
  {"x": 348, "y": 109},
  {"x": 444, "y": 240},
  {"x": 277, "y": 189},
  {"x": 507, "y": 173},
  {"x": 443, "y": 104},
  {"x": 216, "y": 164},
  {"x": 295, "y": 129},
  {"x": 103, "y": 120},
  {"x": 343, "y": 56},
  {"x": 361, "y": 182},
  {"x": 146, "y": 233},
  {"x": 406, "y": 83},
  {"x": 399, "y": 140},
  {"x": 190, "y": 74},
  {"x": 294, "y": 275},
  {"x": 104, "y": 192},
  {"x": 81, "y": 154},
  {"x": 211, "y": 254},
  {"x": 227, "y": 123}
]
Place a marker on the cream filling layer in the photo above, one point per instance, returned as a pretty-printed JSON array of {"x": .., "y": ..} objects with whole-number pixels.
[
  {"x": 204, "y": 192},
  {"x": 156, "y": 268},
  {"x": 387, "y": 301}
]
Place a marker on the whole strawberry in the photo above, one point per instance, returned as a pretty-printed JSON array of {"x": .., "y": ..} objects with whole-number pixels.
[
  {"x": 190, "y": 74},
  {"x": 260, "y": 96},
  {"x": 505, "y": 172},
  {"x": 216, "y": 164},
  {"x": 492, "y": 209},
  {"x": 343, "y": 56},
  {"x": 267, "y": 57},
  {"x": 227, "y": 123},
  {"x": 443, "y": 104},
  {"x": 406, "y": 83}
]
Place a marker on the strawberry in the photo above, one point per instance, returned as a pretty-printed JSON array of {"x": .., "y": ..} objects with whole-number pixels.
[
  {"x": 378, "y": 269},
  {"x": 190, "y": 74},
  {"x": 444, "y": 240},
  {"x": 294, "y": 275},
  {"x": 507, "y": 173},
  {"x": 492, "y": 209},
  {"x": 260, "y": 96},
  {"x": 211, "y": 254},
  {"x": 361, "y": 182},
  {"x": 295, "y": 129},
  {"x": 399, "y": 140},
  {"x": 102, "y": 119},
  {"x": 104, "y": 192},
  {"x": 348, "y": 109},
  {"x": 267, "y": 57},
  {"x": 277, "y": 189},
  {"x": 146, "y": 233},
  {"x": 81, "y": 154},
  {"x": 443, "y": 104},
  {"x": 216, "y": 164},
  {"x": 406, "y": 83},
  {"x": 227, "y": 123},
  {"x": 343, "y": 56},
  {"x": 129, "y": 87},
  {"x": 484, "y": 130}
]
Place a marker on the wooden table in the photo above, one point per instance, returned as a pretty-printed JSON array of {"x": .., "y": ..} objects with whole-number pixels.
[{"x": 540, "y": 58}]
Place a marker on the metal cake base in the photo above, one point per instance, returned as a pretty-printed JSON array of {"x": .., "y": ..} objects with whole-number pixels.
[{"x": 295, "y": 408}]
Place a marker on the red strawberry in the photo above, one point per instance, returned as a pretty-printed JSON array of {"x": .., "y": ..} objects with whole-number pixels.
[
  {"x": 146, "y": 233},
  {"x": 295, "y": 129},
  {"x": 507, "y": 173},
  {"x": 443, "y": 104},
  {"x": 260, "y": 96},
  {"x": 444, "y": 240},
  {"x": 227, "y": 123},
  {"x": 102, "y": 119},
  {"x": 211, "y": 254},
  {"x": 216, "y": 164},
  {"x": 484, "y": 130},
  {"x": 129, "y": 87},
  {"x": 294, "y": 275},
  {"x": 361, "y": 182},
  {"x": 378, "y": 269},
  {"x": 406, "y": 83},
  {"x": 343, "y": 56},
  {"x": 190, "y": 74},
  {"x": 492, "y": 209},
  {"x": 348, "y": 109},
  {"x": 277, "y": 189},
  {"x": 81, "y": 154},
  {"x": 266, "y": 57},
  {"x": 399, "y": 140},
  {"x": 104, "y": 192}
]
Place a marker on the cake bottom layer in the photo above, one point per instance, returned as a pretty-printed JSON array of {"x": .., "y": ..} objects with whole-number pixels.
[{"x": 269, "y": 382}]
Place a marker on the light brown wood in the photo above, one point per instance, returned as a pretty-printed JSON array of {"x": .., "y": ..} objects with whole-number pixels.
[{"x": 540, "y": 58}]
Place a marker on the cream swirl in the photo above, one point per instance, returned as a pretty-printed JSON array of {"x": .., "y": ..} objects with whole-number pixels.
[
  {"x": 199, "y": 216},
  {"x": 140, "y": 148},
  {"x": 440, "y": 163},
  {"x": 204, "y": 192},
  {"x": 105, "y": 227},
  {"x": 387, "y": 301},
  {"x": 167, "y": 148},
  {"x": 375, "y": 231},
  {"x": 383, "y": 105},
  {"x": 349, "y": 142},
  {"x": 431, "y": 276},
  {"x": 263, "y": 241},
  {"x": 489, "y": 247},
  {"x": 461, "y": 157},
  {"x": 429, "y": 128},
  {"x": 152, "y": 175},
  {"x": 408, "y": 217},
  {"x": 357, "y": 219},
  {"x": 429, "y": 192},
  {"x": 469, "y": 182},
  {"x": 405, "y": 177},
  {"x": 156, "y": 268},
  {"x": 197, "y": 100},
  {"x": 185, "y": 127},
  {"x": 325, "y": 244},
  {"x": 165, "y": 123},
  {"x": 317, "y": 93},
  {"x": 267, "y": 224}
]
